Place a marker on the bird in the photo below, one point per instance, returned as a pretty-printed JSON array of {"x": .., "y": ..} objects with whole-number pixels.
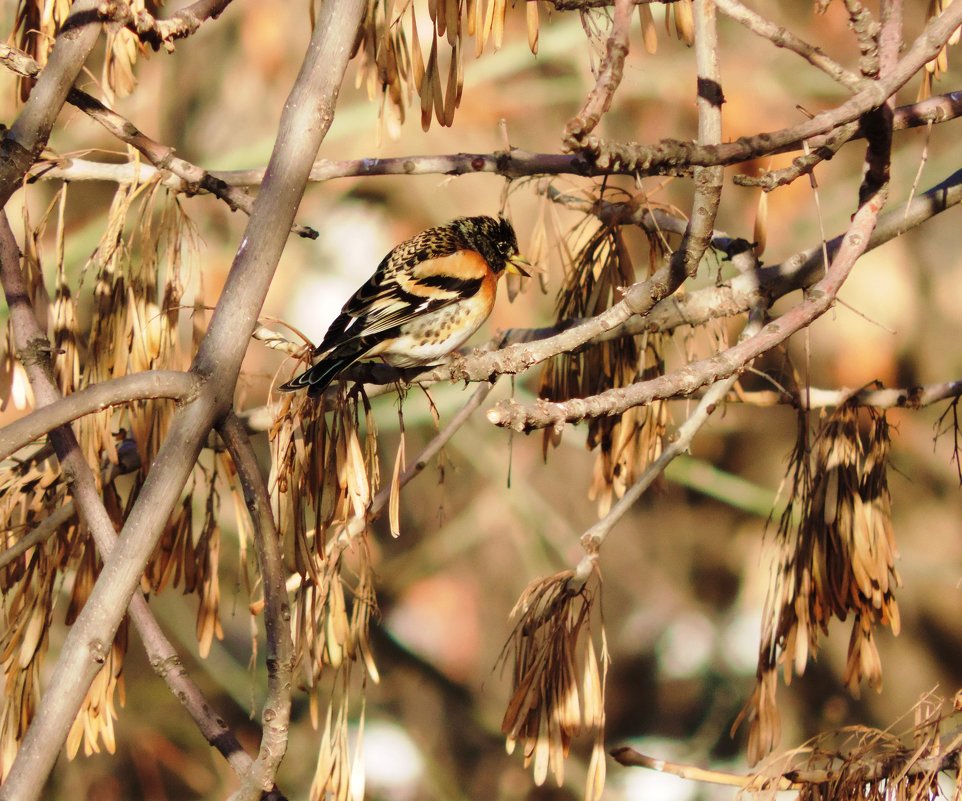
[{"x": 424, "y": 300}]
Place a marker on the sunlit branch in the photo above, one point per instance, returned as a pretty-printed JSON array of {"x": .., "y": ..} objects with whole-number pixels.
[
  {"x": 181, "y": 24},
  {"x": 909, "y": 761},
  {"x": 782, "y": 37},
  {"x": 609, "y": 77}
]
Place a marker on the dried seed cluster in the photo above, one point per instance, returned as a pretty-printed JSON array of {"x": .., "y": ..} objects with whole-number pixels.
[
  {"x": 626, "y": 443},
  {"x": 558, "y": 679},
  {"x": 836, "y": 557}
]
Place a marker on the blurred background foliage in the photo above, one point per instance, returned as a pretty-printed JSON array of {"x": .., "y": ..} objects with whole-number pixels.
[{"x": 685, "y": 575}]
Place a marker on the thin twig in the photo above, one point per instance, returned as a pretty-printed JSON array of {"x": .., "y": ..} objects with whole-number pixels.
[
  {"x": 438, "y": 441},
  {"x": 46, "y": 529},
  {"x": 629, "y": 757},
  {"x": 782, "y": 37}
]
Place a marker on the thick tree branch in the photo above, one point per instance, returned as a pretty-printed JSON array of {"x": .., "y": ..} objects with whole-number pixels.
[
  {"x": 34, "y": 350},
  {"x": 277, "y": 613},
  {"x": 306, "y": 119},
  {"x": 138, "y": 386}
]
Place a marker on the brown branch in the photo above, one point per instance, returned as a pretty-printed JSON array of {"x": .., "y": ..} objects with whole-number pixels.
[
  {"x": 515, "y": 163},
  {"x": 26, "y": 138},
  {"x": 280, "y": 647},
  {"x": 304, "y": 122},
  {"x": 34, "y": 350},
  {"x": 804, "y": 164},
  {"x": 631, "y": 758},
  {"x": 884, "y": 768},
  {"x": 193, "y": 179},
  {"x": 138, "y": 386},
  {"x": 164, "y": 32},
  {"x": 669, "y": 152},
  {"x": 878, "y": 398},
  {"x": 784, "y": 38}
]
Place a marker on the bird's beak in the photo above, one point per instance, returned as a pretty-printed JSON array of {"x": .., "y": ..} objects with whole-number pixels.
[{"x": 518, "y": 265}]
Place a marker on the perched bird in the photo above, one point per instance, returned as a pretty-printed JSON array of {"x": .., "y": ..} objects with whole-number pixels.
[{"x": 425, "y": 299}]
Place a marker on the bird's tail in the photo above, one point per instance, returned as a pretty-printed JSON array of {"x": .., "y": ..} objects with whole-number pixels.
[{"x": 316, "y": 379}]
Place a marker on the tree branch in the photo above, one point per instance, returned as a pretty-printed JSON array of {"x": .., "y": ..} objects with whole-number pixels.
[
  {"x": 648, "y": 159},
  {"x": 138, "y": 386},
  {"x": 513, "y": 164},
  {"x": 305, "y": 121},
  {"x": 164, "y": 32},
  {"x": 609, "y": 76},
  {"x": 277, "y": 615}
]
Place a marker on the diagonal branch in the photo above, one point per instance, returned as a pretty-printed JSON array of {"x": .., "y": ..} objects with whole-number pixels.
[
  {"x": 277, "y": 613},
  {"x": 782, "y": 37},
  {"x": 193, "y": 179},
  {"x": 609, "y": 77}
]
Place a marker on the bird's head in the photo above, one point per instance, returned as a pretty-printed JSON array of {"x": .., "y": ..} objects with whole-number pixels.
[{"x": 495, "y": 239}]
